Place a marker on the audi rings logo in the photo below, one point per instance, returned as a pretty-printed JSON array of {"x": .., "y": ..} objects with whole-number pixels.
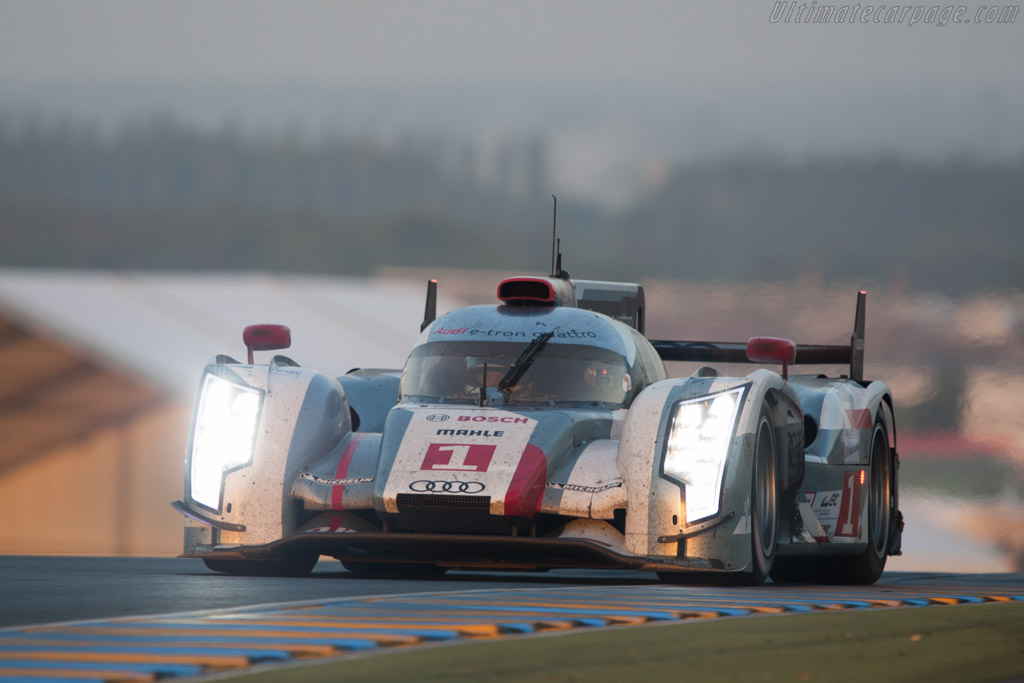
[
  {"x": 437, "y": 417},
  {"x": 424, "y": 486}
]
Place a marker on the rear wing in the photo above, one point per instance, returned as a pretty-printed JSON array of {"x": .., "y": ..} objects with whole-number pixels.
[
  {"x": 806, "y": 354},
  {"x": 623, "y": 301}
]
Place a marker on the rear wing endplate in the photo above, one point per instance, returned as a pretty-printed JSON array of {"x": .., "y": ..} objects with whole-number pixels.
[{"x": 806, "y": 354}]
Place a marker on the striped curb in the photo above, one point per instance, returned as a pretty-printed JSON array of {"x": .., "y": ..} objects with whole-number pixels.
[{"x": 146, "y": 649}]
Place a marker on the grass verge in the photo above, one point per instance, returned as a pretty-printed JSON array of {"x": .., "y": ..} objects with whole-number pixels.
[{"x": 954, "y": 643}]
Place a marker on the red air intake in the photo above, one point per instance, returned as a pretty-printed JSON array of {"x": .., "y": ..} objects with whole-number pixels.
[{"x": 537, "y": 290}]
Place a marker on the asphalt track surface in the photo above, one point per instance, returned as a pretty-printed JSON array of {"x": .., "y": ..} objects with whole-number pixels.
[
  {"x": 47, "y": 589},
  {"x": 198, "y": 622}
]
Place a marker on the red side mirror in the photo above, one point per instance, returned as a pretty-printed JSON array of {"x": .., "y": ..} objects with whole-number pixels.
[
  {"x": 772, "y": 350},
  {"x": 266, "y": 338}
]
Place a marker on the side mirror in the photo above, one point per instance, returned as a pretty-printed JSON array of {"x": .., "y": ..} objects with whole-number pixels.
[
  {"x": 266, "y": 338},
  {"x": 772, "y": 350}
]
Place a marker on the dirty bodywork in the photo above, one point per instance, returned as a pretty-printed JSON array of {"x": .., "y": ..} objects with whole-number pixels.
[{"x": 544, "y": 432}]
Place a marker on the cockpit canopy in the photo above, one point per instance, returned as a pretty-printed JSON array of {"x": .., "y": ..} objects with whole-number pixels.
[
  {"x": 585, "y": 358},
  {"x": 459, "y": 371}
]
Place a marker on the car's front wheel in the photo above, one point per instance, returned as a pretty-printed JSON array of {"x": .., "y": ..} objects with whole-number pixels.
[{"x": 764, "y": 501}]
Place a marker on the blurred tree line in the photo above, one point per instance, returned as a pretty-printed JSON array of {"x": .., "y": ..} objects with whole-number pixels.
[
  {"x": 163, "y": 195},
  {"x": 953, "y": 226}
]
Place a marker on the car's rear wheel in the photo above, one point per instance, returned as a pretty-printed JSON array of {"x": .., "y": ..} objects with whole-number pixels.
[
  {"x": 291, "y": 566},
  {"x": 868, "y": 567}
]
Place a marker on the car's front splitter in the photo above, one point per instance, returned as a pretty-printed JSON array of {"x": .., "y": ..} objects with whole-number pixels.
[{"x": 454, "y": 551}]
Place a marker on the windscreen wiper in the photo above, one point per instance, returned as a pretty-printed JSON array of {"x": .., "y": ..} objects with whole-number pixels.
[{"x": 523, "y": 363}]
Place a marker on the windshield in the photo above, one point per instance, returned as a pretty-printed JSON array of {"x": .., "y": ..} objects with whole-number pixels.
[{"x": 456, "y": 371}]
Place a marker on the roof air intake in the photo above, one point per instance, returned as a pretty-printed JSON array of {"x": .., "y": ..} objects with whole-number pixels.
[{"x": 537, "y": 291}]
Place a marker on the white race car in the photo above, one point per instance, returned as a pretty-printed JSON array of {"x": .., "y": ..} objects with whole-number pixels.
[{"x": 543, "y": 432}]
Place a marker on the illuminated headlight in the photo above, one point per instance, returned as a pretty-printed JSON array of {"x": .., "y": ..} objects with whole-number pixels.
[
  {"x": 698, "y": 445},
  {"x": 224, "y": 436}
]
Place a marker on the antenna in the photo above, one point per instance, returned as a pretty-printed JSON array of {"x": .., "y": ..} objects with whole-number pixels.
[
  {"x": 430, "y": 310},
  {"x": 554, "y": 231}
]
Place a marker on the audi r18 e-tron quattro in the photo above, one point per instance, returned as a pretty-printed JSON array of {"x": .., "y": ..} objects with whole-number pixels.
[{"x": 543, "y": 432}]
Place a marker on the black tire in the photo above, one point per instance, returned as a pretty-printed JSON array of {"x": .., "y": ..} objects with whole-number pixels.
[
  {"x": 764, "y": 501},
  {"x": 394, "y": 570},
  {"x": 866, "y": 569},
  {"x": 292, "y": 566}
]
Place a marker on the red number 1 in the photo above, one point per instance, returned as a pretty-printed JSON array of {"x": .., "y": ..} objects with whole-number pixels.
[{"x": 849, "y": 508}]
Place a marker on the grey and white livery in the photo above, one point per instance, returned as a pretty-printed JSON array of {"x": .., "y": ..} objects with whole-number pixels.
[{"x": 544, "y": 432}]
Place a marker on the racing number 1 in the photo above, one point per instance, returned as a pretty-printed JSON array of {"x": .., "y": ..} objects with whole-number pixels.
[
  {"x": 849, "y": 509},
  {"x": 458, "y": 457}
]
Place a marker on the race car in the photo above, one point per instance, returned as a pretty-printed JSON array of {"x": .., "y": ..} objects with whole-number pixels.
[{"x": 542, "y": 432}]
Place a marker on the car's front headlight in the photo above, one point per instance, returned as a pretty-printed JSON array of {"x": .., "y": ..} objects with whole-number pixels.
[
  {"x": 699, "y": 437},
  {"x": 224, "y": 436}
]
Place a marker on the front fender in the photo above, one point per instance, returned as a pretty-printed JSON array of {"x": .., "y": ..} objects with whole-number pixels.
[
  {"x": 656, "y": 522},
  {"x": 304, "y": 415}
]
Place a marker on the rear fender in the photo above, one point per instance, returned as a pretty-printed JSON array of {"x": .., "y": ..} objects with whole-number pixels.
[
  {"x": 885, "y": 405},
  {"x": 844, "y": 413}
]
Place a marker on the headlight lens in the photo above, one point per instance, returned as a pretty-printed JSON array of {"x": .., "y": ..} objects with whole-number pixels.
[
  {"x": 224, "y": 437},
  {"x": 698, "y": 445}
]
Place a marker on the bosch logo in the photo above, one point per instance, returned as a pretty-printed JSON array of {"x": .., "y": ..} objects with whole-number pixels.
[
  {"x": 437, "y": 417},
  {"x": 493, "y": 418},
  {"x": 424, "y": 486}
]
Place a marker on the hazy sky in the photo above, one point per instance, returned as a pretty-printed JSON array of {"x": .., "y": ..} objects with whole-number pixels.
[
  {"x": 670, "y": 42},
  {"x": 712, "y": 77}
]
